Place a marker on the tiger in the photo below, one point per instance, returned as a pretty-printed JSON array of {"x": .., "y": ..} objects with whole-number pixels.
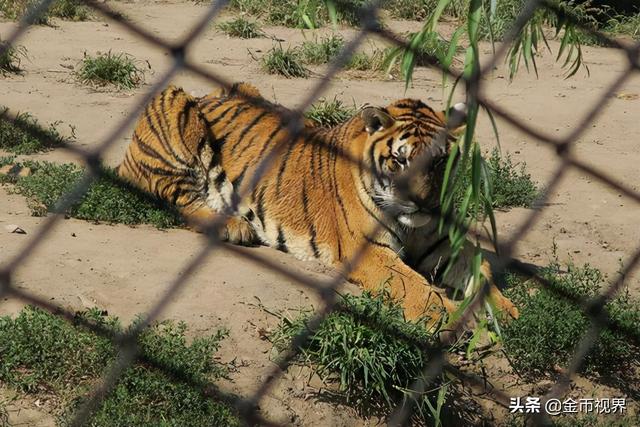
[{"x": 327, "y": 194}]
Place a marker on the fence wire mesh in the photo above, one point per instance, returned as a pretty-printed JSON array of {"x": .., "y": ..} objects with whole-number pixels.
[{"x": 248, "y": 407}]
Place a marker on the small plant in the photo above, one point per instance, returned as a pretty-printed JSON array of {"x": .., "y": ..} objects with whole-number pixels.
[
  {"x": 7, "y": 160},
  {"x": 11, "y": 58},
  {"x": 107, "y": 199},
  {"x": 42, "y": 353},
  {"x": 330, "y": 113},
  {"x": 72, "y": 10},
  {"x": 119, "y": 69},
  {"x": 415, "y": 10},
  {"x": 367, "y": 348},
  {"x": 250, "y": 7},
  {"x": 625, "y": 25},
  {"x": 512, "y": 185},
  {"x": 363, "y": 61},
  {"x": 241, "y": 28},
  {"x": 296, "y": 13},
  {"x": 26, "y": 136},
  {"x": 300, "y": 13},
  {"x": 537, "y": 342},
  {"x": 323, "y": 51},
  {"x": 286, "y": 62}
]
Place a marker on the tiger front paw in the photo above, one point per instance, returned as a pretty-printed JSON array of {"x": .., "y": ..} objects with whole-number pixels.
[{"x": 239, "y": 231}]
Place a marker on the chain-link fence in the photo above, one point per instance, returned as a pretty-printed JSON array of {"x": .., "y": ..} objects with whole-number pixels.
[{"x": 247, "y": 408}]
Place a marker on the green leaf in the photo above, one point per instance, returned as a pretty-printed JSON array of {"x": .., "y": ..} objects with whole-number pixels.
[
  {"x": 473, "y": 21},
  {"x": 333, "y": 13},
  {"x": 308, "y": 22}
]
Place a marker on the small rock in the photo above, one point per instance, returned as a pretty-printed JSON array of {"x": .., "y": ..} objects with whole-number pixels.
[{"x": 12, "y": 228}]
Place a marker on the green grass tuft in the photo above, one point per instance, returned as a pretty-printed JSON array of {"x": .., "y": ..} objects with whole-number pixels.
[
  {"x": 625, "y": 25},
  {"x": 7, "y": 160},
  {"x": 363, "y": 61},
  {"x": 365, "y": 347},
  {"x": 11, "y": 59},
  {"x": 71, "y": 10},
  {"x": 299, "y": 13},
  {"x": 250, "y": 7},
  {"x": 20, "y": 138},
  {"x": 330, "y": 113},
  {"x": 323, "y": 51},
  {"x": 550, "y": 326},
  {"x": 414, "y": 10},
  {"x": 512, "y": 184},
  {"x": 285, "y": 62},
  {"x": 106, "y": 200},
  {"x": 118, "y": 69},
  {"x": 42, "y": 353},
  {"x": 241, "y": 28}
]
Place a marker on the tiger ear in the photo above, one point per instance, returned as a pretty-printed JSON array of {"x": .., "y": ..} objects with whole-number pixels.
[
  {"x": 457, "y": 118},
  {"x": 376, "y": 119},
  {"x": 244, "y": 89}
]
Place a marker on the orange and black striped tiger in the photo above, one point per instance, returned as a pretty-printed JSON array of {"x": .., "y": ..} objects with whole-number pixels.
[{"x": 324, "y": 195}]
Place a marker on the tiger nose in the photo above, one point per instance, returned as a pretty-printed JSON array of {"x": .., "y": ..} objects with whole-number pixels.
[{"x": 401, "y": 154}]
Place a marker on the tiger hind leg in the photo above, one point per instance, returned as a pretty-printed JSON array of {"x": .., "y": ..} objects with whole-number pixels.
[{"x": 222, "y": 199}]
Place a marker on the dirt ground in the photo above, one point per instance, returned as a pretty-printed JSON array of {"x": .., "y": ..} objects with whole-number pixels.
[{"x": 126, "y": 269}]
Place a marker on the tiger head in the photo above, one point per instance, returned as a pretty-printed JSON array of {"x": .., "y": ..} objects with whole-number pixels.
[{"x": 407, "y": 149}]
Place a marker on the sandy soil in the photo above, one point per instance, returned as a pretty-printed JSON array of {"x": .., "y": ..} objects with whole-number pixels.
[{"x": 125, "y": 269}]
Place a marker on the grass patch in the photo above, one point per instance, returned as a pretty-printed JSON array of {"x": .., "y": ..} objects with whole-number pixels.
[
  {"x": 107, "y": 200},
  {"x": 118, "y": 69},
  {"x": 11, "y": 59},
  {"x": 298, "y": 13},
  {"x": 363, "y": 61},
  {"x": 42, "y": 353},
  {"x": 550, "y": 326},
  {"x": 414, "y": 10},
  {"x": 330, "y": 113},
  {"x": 250, "y": 7},
  {"x": 7, "y": 160},
  {"x": 285, "y": 62},
  {"x": 512, "y": 184},
  {"x": 625, "y": 25},
  {"x": 322, "y": 51},
  {"x": 27, "y": 136},
  {"x": 70, "y": 10},
  {"x": 241, "y": 28},
  {"x": 367, "y": 349}
]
